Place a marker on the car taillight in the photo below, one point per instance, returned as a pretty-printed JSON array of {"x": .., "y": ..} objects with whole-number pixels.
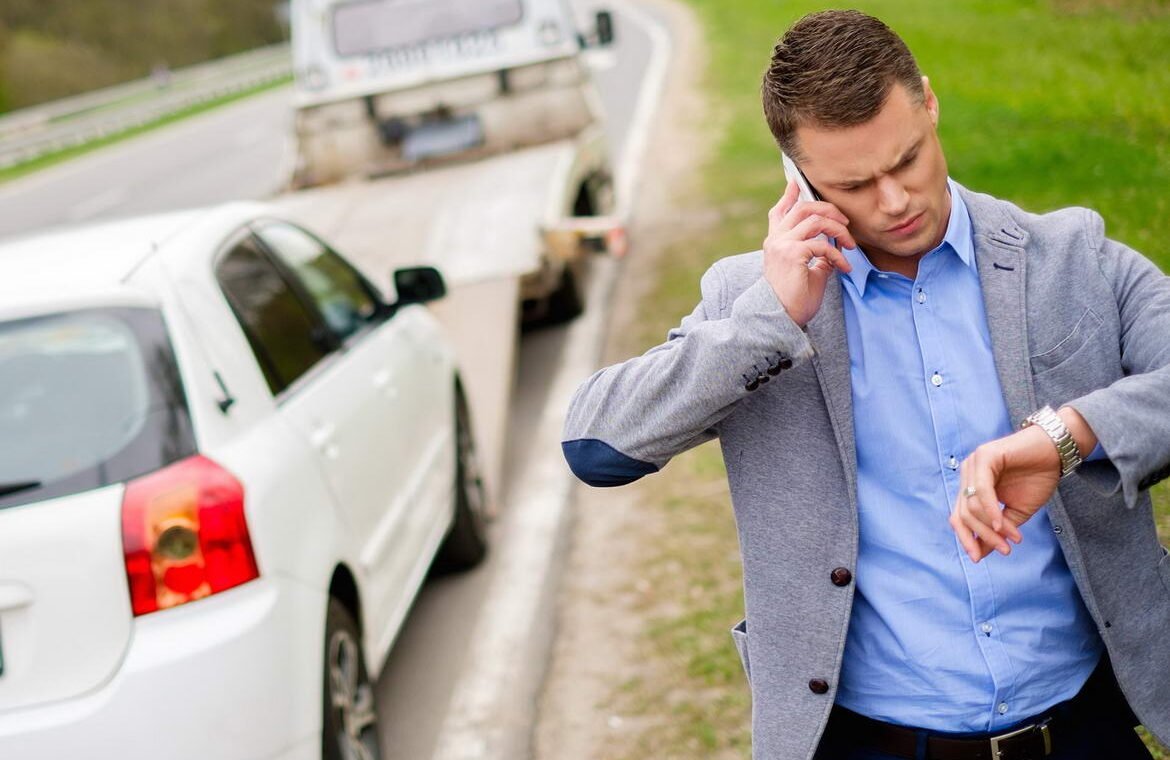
[{"x": 184, "y": 535}]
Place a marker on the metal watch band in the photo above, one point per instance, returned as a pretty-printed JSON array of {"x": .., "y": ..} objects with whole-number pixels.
[{"x": 1048, "y": 421}]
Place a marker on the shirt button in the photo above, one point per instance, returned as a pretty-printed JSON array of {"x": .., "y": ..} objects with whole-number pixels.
[
  {"x": 986, "y": 627},
  {"x": 1002, "y": 708},
  {"x": 953, "y": 463},
  {"x": 921, "y": 296},
  {"x": 821, "y": 686},
  {"x": 936, "y": 379}
]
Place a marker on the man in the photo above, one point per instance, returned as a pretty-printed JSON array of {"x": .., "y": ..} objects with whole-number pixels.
[{"x": 868, "y": 400}]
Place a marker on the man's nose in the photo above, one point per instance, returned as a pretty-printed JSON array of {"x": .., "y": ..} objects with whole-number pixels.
[{"x": 892, "y": 197}]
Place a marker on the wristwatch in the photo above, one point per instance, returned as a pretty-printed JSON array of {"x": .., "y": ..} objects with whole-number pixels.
[{"x": 1048, "y": 421}]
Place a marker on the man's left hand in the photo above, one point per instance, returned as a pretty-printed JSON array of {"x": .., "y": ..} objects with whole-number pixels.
[{"x": 1019, "y": 471}]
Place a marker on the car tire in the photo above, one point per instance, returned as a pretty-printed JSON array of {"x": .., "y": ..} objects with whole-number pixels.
[
  {"x": 466, "y": 543},
  {"x": 350, "y": 723}
]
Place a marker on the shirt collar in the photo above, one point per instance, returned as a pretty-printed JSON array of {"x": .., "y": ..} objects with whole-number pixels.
[{"x": 958, "y": 238}]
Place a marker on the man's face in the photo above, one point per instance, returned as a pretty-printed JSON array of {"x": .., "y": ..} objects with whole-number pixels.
[{"x": 888, "y": 176}]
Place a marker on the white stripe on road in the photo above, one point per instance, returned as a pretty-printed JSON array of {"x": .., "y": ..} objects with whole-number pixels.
[{"x": 491, "y": 713}]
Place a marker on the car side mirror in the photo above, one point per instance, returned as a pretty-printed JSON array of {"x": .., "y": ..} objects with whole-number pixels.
[
  {"x": 604, "y": 28},
  {"x": 418, "y": 285}
]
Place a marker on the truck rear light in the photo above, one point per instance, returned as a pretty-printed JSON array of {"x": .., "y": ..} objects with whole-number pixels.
[{"x": 184, "y": 535}]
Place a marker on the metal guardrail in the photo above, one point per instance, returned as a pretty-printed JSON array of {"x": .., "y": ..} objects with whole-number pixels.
[{"x": 36, "y": 131}]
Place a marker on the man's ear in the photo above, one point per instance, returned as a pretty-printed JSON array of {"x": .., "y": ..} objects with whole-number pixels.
[{"x": 930, "y": 100}]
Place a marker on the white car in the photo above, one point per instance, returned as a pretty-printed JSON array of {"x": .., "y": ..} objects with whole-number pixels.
[{"x": 226, "y": 466}]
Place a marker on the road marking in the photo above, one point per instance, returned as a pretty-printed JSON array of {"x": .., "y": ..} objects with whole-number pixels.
[
  {"x": 491, "y": 713},
  {"x": 630, "y": 169}
]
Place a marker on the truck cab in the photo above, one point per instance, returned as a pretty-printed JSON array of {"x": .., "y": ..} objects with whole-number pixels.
[
  {"x": 392, "y": 87},
  {"x": 384, "y": 86}
]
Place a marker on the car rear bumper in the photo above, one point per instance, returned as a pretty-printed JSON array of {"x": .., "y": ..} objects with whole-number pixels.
[{"x": 237, "y": 675}]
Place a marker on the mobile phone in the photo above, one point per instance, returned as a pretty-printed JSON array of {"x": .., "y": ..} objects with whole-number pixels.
[{"x": 793, "y": 173}]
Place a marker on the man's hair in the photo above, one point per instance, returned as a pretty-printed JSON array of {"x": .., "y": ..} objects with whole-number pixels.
[{"x": 834, "y": 69}]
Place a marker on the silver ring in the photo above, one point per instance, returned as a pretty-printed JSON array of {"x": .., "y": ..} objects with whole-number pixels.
[{"x": 969, "y": 491}]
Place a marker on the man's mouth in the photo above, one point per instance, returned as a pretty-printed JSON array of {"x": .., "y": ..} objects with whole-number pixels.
[{"x": 908, "y": 226}]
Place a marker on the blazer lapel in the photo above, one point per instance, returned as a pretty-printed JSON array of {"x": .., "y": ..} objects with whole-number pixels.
[
  {"x": 826, "y": 332},
  {"x": 1002, "y": 265}
]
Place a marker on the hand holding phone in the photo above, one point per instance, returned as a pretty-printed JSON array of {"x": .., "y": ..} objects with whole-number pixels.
[
  {"x": 794, "y": 175},
  {"x": 800, "y": 252}
]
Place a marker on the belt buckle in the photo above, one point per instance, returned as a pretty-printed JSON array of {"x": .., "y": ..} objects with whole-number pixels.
[{"x": 996, "y": 753}]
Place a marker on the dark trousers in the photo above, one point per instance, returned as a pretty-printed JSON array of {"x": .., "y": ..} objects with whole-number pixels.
[{"x": 1097, "y": 724}]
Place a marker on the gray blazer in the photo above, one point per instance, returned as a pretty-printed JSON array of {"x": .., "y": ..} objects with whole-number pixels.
[{"x": 1075, "y": 318}]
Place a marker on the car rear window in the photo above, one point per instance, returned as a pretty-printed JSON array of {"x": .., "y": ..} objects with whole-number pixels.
[{"x": 87, "y": 398}]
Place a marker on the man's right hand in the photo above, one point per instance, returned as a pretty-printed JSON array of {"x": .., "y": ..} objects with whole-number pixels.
[{"x": 792, "y": 242}]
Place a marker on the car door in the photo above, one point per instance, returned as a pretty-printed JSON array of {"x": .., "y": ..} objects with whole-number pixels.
[{"x": 372, "y": 415}]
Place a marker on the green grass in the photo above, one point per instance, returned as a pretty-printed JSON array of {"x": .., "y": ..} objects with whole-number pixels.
[
  {"x": 1047, "y": 104},
  {"x": 59, "y": 156}
]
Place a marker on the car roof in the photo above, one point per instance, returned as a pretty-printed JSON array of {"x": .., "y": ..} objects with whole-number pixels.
[{"x": 81, "y": 264}]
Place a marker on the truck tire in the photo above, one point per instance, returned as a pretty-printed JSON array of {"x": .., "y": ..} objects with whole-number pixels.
[{"x": 566, "y": 302}]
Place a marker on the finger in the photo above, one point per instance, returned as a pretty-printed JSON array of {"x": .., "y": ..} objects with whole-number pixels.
[
  {"x": 783, "y": 206},
  {"x": 983, "y": 476},
  {"x": 816, "y": 224},
  {"x": 966, "y": 538},
  {"x": 973, "y": 510},
  {"x": 970, "y": 513},
  {"x": 829, "y": 254},
  {"x": 980, "y": 476},
  {"x": 821, "y": 208},
  {"x": 976, "y": 524},
  {"x": 783, "y": 216}
]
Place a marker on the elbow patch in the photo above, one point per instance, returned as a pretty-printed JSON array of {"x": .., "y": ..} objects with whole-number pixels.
[{"x": 601, "y": 465}]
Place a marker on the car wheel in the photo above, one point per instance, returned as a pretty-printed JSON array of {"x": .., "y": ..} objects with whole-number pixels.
[
  {"x": 350, "y": 727},
  {"x": 466, "y": 543}
]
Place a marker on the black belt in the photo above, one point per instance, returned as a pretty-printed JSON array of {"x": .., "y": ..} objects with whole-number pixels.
[
  {"x": 1032, "y": 740},
  {"x": 1029, "y": 742}
]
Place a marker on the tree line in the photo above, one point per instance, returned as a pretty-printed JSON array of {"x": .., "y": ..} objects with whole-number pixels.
[{"x": 50, "y": 49}]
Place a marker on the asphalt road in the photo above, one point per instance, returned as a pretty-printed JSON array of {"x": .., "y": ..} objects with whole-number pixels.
[{"x": 243, "y": 151}]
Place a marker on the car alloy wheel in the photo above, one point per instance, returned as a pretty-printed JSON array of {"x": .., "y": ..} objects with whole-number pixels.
[{"x": 351, "y": 717}]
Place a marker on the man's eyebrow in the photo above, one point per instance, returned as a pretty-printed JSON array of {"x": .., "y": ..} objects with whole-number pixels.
[{"x": 907, "y": 154}]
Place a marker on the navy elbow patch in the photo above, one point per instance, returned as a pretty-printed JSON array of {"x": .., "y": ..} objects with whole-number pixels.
[{"x": 601, "y": 465}]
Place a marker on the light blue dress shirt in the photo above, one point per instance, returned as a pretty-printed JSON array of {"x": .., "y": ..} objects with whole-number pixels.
[{"x": 935, "y": 640}]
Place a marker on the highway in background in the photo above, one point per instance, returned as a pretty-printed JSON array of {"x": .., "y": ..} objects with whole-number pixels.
[{"x": 244, "y": 151}]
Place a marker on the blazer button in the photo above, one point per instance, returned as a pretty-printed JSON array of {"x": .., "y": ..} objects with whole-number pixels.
[
  {"x": 841, "y": 576},
  {"x": 763, "y": 378},
  {"x": 752, "y": 384},
  {"x": 785, "y": 364},
  {"x": 818, "y": 686}
]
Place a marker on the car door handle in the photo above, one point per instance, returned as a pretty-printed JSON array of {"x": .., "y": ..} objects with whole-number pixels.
[
  {"x": 13, "y": 596},
  {"x": 323, "y": 440}
]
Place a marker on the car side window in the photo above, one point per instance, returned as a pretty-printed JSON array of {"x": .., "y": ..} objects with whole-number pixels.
[
  {"x": 279, "y": 326},
  {"x": 341, "y": 294}
]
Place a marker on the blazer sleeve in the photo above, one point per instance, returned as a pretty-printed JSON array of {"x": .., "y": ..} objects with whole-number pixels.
[
  {"x": 1131, "y": 417},
  {"x": 630, "y": 419}
]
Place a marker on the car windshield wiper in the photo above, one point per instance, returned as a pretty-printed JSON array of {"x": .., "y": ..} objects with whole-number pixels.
[{"x": 18, "y": 485}]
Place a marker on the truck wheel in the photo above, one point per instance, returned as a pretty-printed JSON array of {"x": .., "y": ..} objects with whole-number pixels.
[
  {"x": 349, "y": 729},
  {"x": 566, "y": 302},
  {"x": 466, "y": 543}
]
